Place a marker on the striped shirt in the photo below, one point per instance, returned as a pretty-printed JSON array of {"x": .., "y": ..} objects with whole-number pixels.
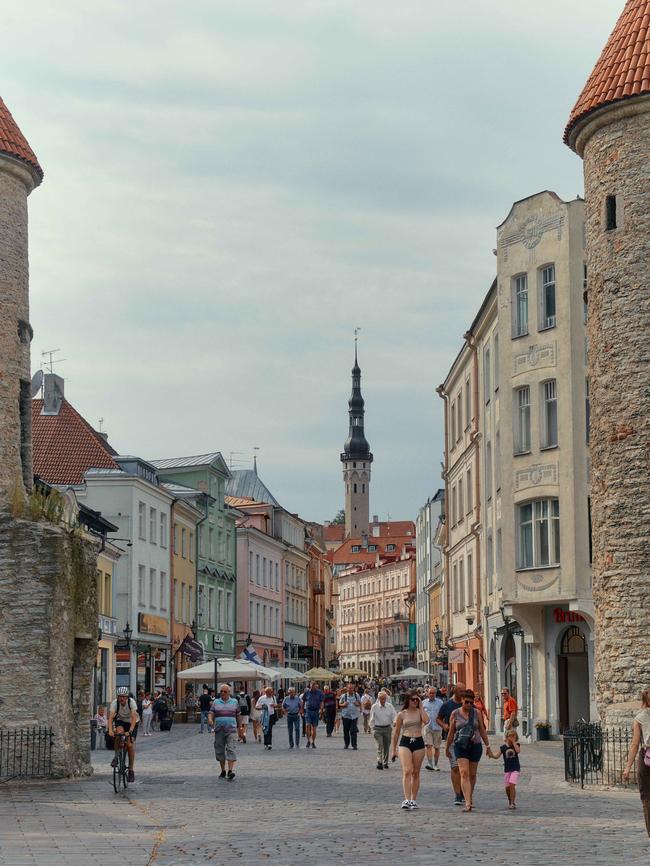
[{"x": 225, "y": 714}]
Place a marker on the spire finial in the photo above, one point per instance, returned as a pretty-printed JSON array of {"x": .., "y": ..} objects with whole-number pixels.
[
  {"x": 255, "y": 449},
  {"x": 356, "y": 339}
]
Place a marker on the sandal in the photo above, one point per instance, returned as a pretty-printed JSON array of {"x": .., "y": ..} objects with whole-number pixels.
[{"x": 467, "y": 808}]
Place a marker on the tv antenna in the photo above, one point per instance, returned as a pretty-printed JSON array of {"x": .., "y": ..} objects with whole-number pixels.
[
  {"x": 231, "y": 455},
  {"x": 51, "y": 360}
]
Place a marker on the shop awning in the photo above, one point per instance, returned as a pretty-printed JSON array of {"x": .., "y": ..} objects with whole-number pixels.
[{"x": 191, "y": 648}]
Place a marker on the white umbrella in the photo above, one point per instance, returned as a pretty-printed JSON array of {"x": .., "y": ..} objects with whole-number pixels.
[
  {"x": 261, "y": 671},
  {"x": 290, "y": 674},
  {"x": 227, "y": 670},
  {"x": 411, "y": 674}
]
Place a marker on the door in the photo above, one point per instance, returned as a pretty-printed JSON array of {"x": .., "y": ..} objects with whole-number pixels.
[{"x": 573, "y": 678}]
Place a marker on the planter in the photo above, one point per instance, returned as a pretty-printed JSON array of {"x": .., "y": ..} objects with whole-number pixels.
[{"x": 543, "y": 733}]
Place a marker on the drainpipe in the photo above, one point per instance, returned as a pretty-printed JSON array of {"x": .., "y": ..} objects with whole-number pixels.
[
  {"x": 475, "y": 528},
  {"x": 440, "y": 390}
]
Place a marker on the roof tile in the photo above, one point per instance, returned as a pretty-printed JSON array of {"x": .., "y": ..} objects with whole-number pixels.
[
  {"x": 14, "y": 143},
  {"x": 622, "y": 69},
  {"x": 65, "y": 446}
]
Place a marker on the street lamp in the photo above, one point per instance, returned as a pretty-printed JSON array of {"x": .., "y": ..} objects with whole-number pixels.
[
  {"x": 128, "y": 631},
  {"x": 193, "y": 629}
]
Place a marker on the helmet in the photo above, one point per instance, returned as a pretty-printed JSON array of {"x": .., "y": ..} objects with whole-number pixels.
[{"x": 123, "y": 690}]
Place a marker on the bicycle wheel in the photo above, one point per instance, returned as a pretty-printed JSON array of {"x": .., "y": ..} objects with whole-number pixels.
[
  {"x": 123, "y": 770},
  {"x": 116, "y": 777}
]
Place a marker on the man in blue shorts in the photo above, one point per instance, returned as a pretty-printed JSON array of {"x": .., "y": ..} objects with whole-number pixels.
[
  {"x": 454, "y": 703},
  {"x": 313, "y": 705}
]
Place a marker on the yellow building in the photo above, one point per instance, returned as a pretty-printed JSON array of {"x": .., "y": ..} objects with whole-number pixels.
[{"x": 107, "y": 625}]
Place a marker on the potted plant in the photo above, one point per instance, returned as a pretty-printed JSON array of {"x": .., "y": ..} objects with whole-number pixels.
[{"x": 543, "y": 730}]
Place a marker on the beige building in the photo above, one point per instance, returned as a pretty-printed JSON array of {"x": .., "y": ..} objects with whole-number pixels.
[
  {"x": 375, "y": 606},
  {"x": 533, "y": 431}
]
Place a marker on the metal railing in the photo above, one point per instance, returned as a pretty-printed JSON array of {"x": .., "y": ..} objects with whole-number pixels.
[
  {"x": 25, "y": 753},
  {"x": 595, "y": 755}
]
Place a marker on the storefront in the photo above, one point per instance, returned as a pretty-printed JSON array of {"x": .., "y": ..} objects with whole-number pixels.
[
  {"x": 104, "y": 686},
  {"x": 152, "y": 659},
  {"x": 570, "y": 655}
]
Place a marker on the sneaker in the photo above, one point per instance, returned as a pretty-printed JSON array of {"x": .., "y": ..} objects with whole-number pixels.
[
  {"x": 385, "y": 766},
  {"x": 131, "y": 776},
  {"x": 114, "y": 763},
  {"x": 291, "y": 745},
  {"x": 222, "y": 774},
  {"x": 313, "y": 745},
  {"x": 346, "y": 747},
  {"x": 459, "y": 800},
  {"x": 354, "y": 748},
  {"x": 406, "y": 804},
  {"x": 413, "y": 804},
  {"x": 428, "y": 767},
  {"x": 231, "y": 775},
  {"x": 437, "y": 768},
  {"x": 308, "y": 744},
  {"x": 380, "y": 766}
]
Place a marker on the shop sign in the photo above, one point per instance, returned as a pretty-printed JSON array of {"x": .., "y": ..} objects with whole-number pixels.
[
  {"x": 567, "y": 616},
  {"x": 150, "y": 624},
  {"x": 456, "y": 656},
  {"x": 217, "y": 641}
]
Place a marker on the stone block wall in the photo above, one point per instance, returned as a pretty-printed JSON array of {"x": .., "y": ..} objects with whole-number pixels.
[
  {"x": 617, "y": 163},
  {"x": 48, "y": 635}
]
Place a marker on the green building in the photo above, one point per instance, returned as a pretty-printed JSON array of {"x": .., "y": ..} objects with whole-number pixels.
[{"x": 216, "y": 549}]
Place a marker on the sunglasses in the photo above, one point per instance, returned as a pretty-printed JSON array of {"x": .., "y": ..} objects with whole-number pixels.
[{"x": 467, "y": 701}]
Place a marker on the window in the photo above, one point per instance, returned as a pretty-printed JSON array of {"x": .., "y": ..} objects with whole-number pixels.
[
  {"x": 522, "y": 420},
  {"x": 459, "y": 407},
  {"x": 453, "y": 423},
  {"x": 538, "y": 532},
  {"x": 610, "y": 213},
  {"x": 152, "y": 588},
  {"x": 520, "y": 306},
  {"x": 499, "y": 554},
  {"x": 461, "y": 581},
  {"x": 175, "y": 539},
  {"x": 211, "y": 607},
  {"x": 547, "y": 297},
  {"x": 221, "y": 609},
  {"x": 191, "y": 547},
  {"x": 257, "y": 569},
  {"x": 229, "y": 611},
  {"x": 142, "y": 516},
  {"x": 177, "y": 609},
  {"x": 390, "y": 547},
  {"x": 257, "y": 618},
  {"x": 470, "y": 579},
  {"x": 468, "y": 403},
  {"x": 250, "y": 616},
  {"x": 163, "y": 590},
  {"x": 250, "y": 565},
  {"x": 184, "y": 543},
  {"x": 372, "y": 548},
  {"x": 201, "y": 541},
  {"x": 487, "y": 387},
  {"x": 495, "y": 342},
  {"x": 163, "y": 530},
  {"x": 549, "y": 414},
  {"x": 356, "y": 548},
  {"x": 277, "y": 578},
  {"x": 152, "y": 525},
  {"x": 470, "y": 492},
  {"x": 488, "y": 470},
  {"x": 277, "y": 622},
  {"x": 461, "y": 504},
  {"x": 141, "y": 588},
  {"x": 587, "y": 408},
  {"x": 108, "y": 595},
  {"x": 489, "y": 561},
  {"x": 211, "y": 542},
  {"x": 265, "y": 581}
]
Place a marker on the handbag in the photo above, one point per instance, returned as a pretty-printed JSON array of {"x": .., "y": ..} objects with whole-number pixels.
[
  {"x": 646, "y": 756},
  {"x": 464, "y": 735}
]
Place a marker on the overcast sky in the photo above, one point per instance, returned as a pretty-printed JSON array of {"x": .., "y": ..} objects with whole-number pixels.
[{"x": 231, "y": 187}]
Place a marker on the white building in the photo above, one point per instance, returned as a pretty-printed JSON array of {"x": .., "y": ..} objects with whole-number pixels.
[{"x": 428, "y": 556}]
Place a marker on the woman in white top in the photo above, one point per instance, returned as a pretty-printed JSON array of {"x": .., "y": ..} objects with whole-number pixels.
[
  {"x": 408, "y": 733},
  {"x": 268, "y": 707},
  {"x": 147, "y": 713},
  {"x": 641, "y": 744}
]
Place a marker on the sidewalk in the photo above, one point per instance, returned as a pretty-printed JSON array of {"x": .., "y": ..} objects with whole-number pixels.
[{"x": 311, "y": 808}]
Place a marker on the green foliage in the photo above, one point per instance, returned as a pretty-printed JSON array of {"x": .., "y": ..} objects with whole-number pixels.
[
  {"x": 46, "y": 506},
  {"x": 339, "y": 520}
]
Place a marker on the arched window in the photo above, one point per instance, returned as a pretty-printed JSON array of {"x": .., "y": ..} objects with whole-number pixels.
[{"x": 573, "y": 642}]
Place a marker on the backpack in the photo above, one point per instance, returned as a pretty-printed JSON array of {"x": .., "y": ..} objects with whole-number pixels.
[
  {"x": 464, "y": 735},
  {"x": 243, "y": 705}
]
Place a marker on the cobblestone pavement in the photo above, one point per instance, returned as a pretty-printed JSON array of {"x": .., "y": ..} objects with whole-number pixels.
[{"x": 310, "y": 808}]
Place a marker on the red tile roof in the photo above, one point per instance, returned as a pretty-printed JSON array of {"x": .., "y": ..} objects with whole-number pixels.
[
  {"x": 344, "y": 554},
  {"x": 65, "y": 446},
  {"x": 13, "y": 142},
  {"x": 623, "y": 69},
  {"x": 336, "y": 531}
]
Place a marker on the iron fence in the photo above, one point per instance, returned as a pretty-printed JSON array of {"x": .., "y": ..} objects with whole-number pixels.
[
  {"x": 25, "y": 753},
  {"x": 595, "y": 755}
]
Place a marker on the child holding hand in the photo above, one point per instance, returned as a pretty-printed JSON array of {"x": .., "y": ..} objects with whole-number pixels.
[{"x": 511, "y": 766}]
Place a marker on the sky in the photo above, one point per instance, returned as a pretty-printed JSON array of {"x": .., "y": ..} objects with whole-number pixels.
[{"x": 232, "y": 187}]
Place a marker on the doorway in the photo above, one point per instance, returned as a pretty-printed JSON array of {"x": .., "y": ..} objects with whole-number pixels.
[{"x": 573, "y": 678}]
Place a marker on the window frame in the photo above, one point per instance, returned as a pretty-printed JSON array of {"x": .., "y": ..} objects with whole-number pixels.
[
  {"x": 534, "y": 539},
  {"x": 518, "y": 328},
  {"x": 521, "y": 413}
]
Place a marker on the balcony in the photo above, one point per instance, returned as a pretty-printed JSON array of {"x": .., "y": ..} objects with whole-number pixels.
[
  {"x": 107, "y": 626},
  {"x": 318, "y": 587}
]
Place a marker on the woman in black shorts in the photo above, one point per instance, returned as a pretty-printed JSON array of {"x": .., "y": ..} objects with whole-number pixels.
[
  {"x": 466, "y": 730},
  {"x": 408, "y": 736}
]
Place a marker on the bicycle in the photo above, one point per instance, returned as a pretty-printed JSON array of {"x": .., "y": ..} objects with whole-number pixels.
[{"x": 121, "y": 772}]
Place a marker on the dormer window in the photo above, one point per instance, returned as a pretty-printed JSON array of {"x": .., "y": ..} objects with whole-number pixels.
[
  {"x": 356, "y": 548},
  {"x": 390, "y": 547}
]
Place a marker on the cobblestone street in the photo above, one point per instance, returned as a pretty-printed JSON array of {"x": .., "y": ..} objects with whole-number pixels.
[{"x": 310, "y": 807}]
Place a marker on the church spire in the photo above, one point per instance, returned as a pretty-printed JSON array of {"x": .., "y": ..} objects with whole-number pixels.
[{"x": 356, "y": 459}]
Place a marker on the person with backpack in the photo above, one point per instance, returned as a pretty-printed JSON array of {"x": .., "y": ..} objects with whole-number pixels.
[
  {"x": 245, "y": 711},
  {"x": 466, "y": 730}
]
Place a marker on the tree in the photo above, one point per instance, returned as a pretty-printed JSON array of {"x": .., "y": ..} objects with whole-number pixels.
[{"x": 339, "y": 520}]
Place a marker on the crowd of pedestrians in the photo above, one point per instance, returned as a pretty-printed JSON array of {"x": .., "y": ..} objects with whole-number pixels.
[{"x": 415, "y": 733}]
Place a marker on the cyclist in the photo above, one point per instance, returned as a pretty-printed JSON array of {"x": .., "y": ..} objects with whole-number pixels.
[{"x": 123, "y": 716}]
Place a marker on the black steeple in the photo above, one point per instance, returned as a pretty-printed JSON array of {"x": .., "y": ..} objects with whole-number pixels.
[{"x": 356, "y": 446}]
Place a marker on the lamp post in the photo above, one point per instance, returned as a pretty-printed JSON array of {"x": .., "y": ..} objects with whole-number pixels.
[{"x": 128, "y": 632}]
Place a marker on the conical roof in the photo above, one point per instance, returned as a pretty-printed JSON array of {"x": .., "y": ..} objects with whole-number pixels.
[
  {"x": 623, "y": 69},
  {"x": 14, "y": 143}
]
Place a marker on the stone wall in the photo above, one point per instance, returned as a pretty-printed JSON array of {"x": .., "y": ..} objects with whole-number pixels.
[
  {"x": 616, "y": 162},
  {"x": 48, "y": 635},
  {"x": 15, "y": 334}
]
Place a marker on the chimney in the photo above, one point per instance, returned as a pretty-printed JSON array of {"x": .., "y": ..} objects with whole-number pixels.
[
  {"x": 375, "y": 518},
  {"x": 52, "y": 394}
]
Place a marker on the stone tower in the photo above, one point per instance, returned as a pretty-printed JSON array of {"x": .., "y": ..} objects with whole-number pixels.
[
  {"x": 609, "y": 128},
  {"x": 356, "y": 459},
  {"x": 19, "y": 174}
]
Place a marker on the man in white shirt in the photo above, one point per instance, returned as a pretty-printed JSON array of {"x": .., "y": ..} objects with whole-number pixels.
[
  {"x": 268, "y": 705},
  {"x": 432, "y": 733},
  {"x": 382, "y": 719}
]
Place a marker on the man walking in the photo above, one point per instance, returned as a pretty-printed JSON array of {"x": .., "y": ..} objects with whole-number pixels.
[
  {"x": 312, "y": 709},
  {"x": 454, "y": 703},
  {"x": 350, "y": 712},
  {"x": 509, "y": 709},
  {"x": 225, "y": 720},
  {"x": 329, "y": 709},
  {"x": 205, "y": 702},
  {"x": 268, "y": 705},
  {"x": 432, "y": 733},
  {"x": 382, "y": 719},
  {"x": 366, "y": 704},
  {"x": 292, "y": 705}
]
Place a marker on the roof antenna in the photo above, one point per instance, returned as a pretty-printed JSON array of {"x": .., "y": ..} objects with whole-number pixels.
[
  {"x": 255, "y": 448},
  {"x": 101, "y": 422},
  {"x": 51, "y": 360}
]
